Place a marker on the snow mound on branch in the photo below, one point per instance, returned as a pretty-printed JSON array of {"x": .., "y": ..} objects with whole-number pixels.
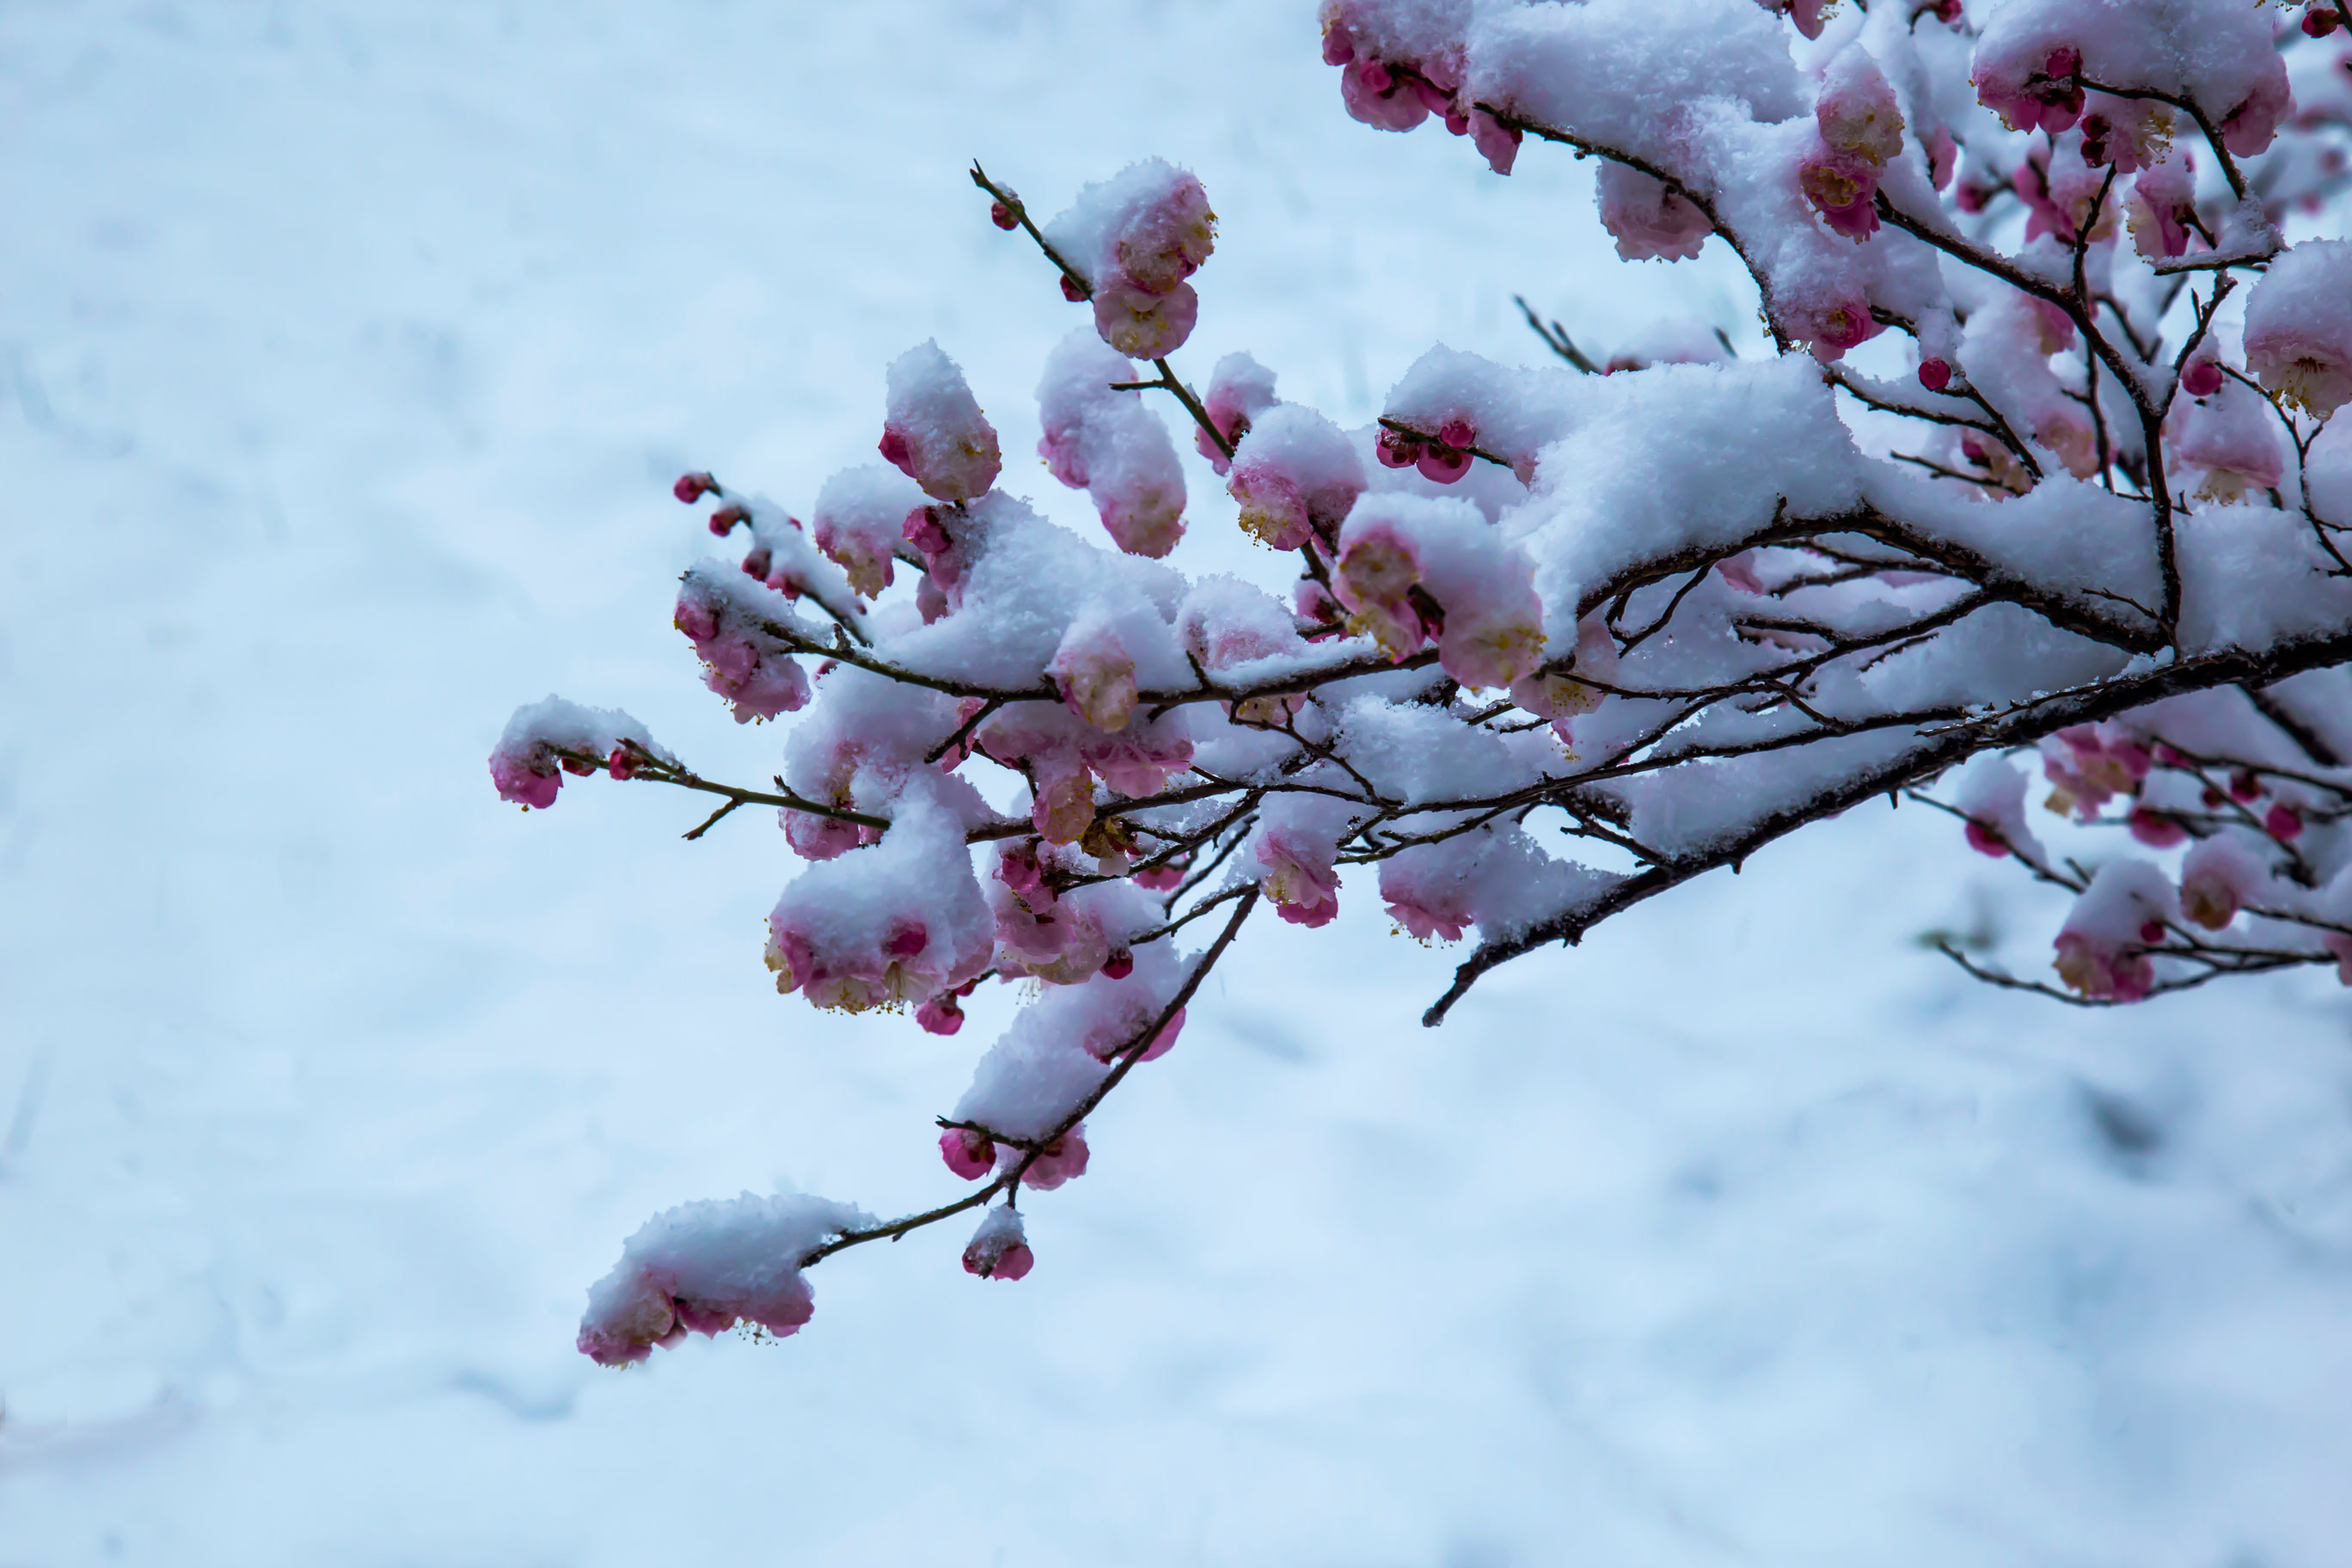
[{"x": 704, "y": 1267}]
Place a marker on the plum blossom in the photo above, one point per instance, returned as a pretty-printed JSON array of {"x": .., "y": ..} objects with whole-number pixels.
[
  {"x": 2299, "y": 326},
  {"x": 701, "y": 1267},
  {"x": 1295, "y": 476},
  {"x": 999, "y": 1249},
  {"x": 934, "y": 431},
  {"x": 1413, "y": 569},
  {"x": 1649, "y": 220},
  {"x": 1240, "y": 390}
]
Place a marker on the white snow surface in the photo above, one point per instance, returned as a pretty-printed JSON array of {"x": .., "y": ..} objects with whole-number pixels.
[{"x": 347, "y": 351}]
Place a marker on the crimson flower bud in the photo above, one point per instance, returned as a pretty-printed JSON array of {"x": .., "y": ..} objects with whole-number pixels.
[
  {"x": 692, "y": 487},
  {"x": 1001, "y": 215},
  {"x": 623, "y": 764},
  {"x": 2283, "y": 822},
  {"x": 723, "y": 520},
  {"x": 2319, "y": 21},
  {"x": 1119, "y": 964},
  {"x": 1071, "y": 290},
  {"x": 2151, "y": 932},
  {"x": 756, "y": 564},
  {"x": 1935, "y": 374},
  {"x": 1397, "y": 449},
  {"x": 2201, "y": 379}
]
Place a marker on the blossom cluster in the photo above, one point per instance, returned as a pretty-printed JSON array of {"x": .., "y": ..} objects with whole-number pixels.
[{"x": 2039, "y": 462}]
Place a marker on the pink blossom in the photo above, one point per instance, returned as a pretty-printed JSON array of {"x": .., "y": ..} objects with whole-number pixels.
[
  {"x": 1240, "y": 389},
  {"x": 998, "y": 1250},
  {"x": 1985, "y": 840},
  {"x": 1165, "y": 241},
  {"x": 1841, "y": 187},
  {"x": 969, "y": 1154},
  {"x": 2299, "y": 328},
  {"x": 1058, "y": 1162},
  {"x": 941, "y": 1014},
  {"x": 1301, "y": 874},
  {"x": 2043, "y": 95},
  {"x": 1831, "y": 325},
  {"x": 1065, "y": 805},
  {"x": 755, "y": 675},
  {"x": 1648, "y": 220},
  {"x": 934, "y": 431},
  {"x": 1094, "y": 674},
  {"x": 1497, "y": 142},
  {"x": 1806, "y": 14},
  {"x": 1141, "y": 324},
  {"x": 1379, "y": 98},
  {"x": 2217, "y": 878},
  {"x": 2103, "y": 972},
  {"x": 1296, "y": 475},
  {"x": 1378, "y": 570},
  {"x": 1856, "y": 113},
  {"x": 521, "y": 780}
]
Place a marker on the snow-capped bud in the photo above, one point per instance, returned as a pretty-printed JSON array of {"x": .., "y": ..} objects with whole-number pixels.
[
  {"x": 1842, "y": 188},
  {"x": 2200, "y": 378},
  {"x": 723, "y": 520},
  {"x": 998, "y": 1249},
  {"x": 1058, "y": 1162},
  {"x": 969, "y": 1155},
  {"x": 1935, "y": 374},
  {"x": 757, "y": 563},
  {"x": 692, "y": 487},
  {"x": 934, "y": 431}
]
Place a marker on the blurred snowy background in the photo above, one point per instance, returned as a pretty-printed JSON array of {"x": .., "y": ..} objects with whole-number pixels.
[{"x": 347, "y": 349}]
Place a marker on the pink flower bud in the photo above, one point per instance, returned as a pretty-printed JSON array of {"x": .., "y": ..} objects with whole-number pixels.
[
  {"x": 723, "y": 520},
  {"x": 1397, "y": 449},
  {"x": 969, "y": 1155},
  {"x": 2200, "y": 378},
  {"x": 1001, "y": 215},
  {"x": 2154, "y": 829},
  {"x": 1073, "y": 290},
  {"x": 1160, "y": 878},
  {"x": 941, "y": 1014},
  {"x": 2245, "y": 787},
  {"x": 2151, "y": 932},
  {"x": 923, "y": 531},
  {"x": 998, "y": 1250},
  {"x": 1119, "y": 964},
  {"x": 1338, "y": 49},
  {"x": 1985, "y": 841},
  {"x": 692, "y": 487},
  {"x": 2283, "y": 822},
  {"x": 2321, "y": 18},
  {"x": 1060, "y": 1160},
  {"x": 1444, "y": 465},
  {"x": 1935, "y": 374}
]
